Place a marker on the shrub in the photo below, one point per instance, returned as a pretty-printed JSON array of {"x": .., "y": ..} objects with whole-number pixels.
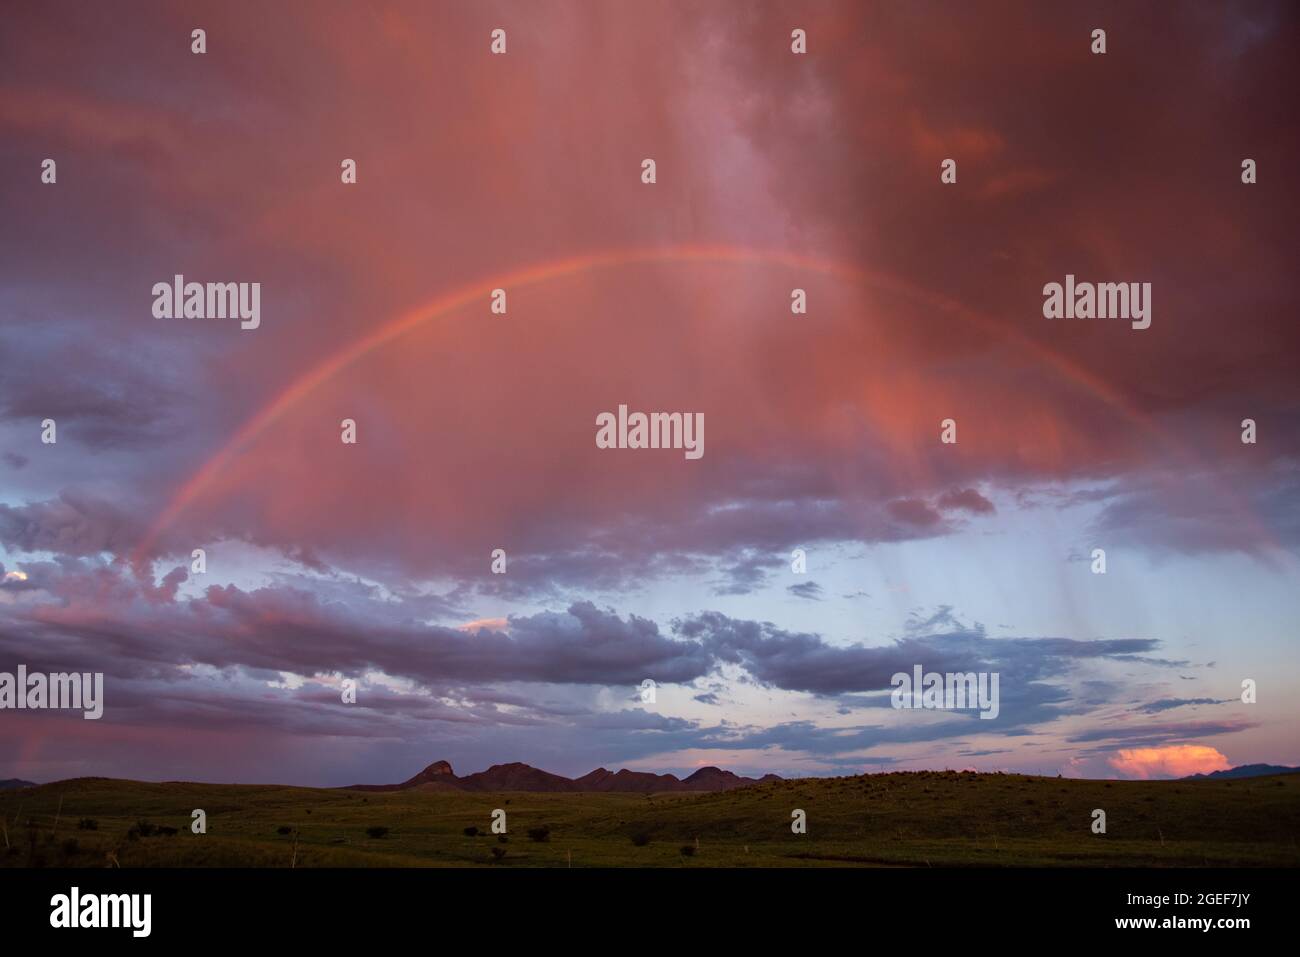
[
  {"x": 498, "y": 853},
  {"x": 641, "y": 839},
  {"x": 71, "y": 846},
  {"x": 470, "y": 832},
  {"x": 376, "y": 832},
  {"x": 284, "y": 829},
  {"x": 88, "y": 824},
  {"x": 503, "y": 839},
  {"x": 688, "y": 850},
  {"x": 539, "y": 834}
]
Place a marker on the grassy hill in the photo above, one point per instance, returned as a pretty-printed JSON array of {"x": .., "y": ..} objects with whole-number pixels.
[{"x": 938, "y": 819}]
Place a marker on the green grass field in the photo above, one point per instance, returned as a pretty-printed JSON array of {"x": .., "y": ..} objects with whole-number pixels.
[{"x": 937, "y": 819}]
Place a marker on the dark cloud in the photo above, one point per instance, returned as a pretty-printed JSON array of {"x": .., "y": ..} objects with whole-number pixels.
[
  {"x": 915, "y": 512},
  {"x": 1235, "y": 508},
  {"x": 1152, "y": 735},
  {"x": 75, "y": 524},
  {"x": 966, "y": 500},
  {"x": 745, "y": 573},
  {"x": 1169, "y": 704},
  {"x": 106, "y": 615},
  {"x": 797, "y": 661},
  {"x": 809, "y": 589},
  {"x": 314, "y": 626},
  {"x": 106, "y": 397}
]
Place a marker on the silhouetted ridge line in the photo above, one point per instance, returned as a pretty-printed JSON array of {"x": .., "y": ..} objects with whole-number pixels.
[{"x": 516, "y": 776}]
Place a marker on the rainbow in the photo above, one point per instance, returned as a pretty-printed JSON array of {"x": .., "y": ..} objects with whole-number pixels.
[{"x": 479, "y": 290}]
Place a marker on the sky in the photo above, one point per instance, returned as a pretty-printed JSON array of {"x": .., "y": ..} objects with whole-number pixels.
[{"x": 371, "y": 562}]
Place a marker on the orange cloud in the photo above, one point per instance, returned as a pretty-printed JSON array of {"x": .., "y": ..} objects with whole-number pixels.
[{"x": 1170, "y": 761}]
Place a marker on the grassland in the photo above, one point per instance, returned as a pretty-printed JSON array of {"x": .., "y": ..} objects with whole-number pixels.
[{"x": 937, "y": 819}]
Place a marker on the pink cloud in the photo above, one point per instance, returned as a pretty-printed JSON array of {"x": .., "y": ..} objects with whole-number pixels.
[{"x": 1169, "y": 761}]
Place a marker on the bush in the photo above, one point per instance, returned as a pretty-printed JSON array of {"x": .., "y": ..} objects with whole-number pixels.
[
  {"x": 539, "y": 834},
  {"x": 688, "y": 850},
  {"x": 470, "y": 832},
  {"x": 376, "y": 832},
  {"x": 641, "y": 839},
  {"x": 503, "y": 839},
  {"x": 71, "y": 846},
  {"x": 284, "y": 829},
  {"x": 88, "y": 824},
  {"x": 498, "y": 853}
]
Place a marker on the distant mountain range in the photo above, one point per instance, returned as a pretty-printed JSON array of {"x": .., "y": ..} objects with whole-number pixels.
[
  {"x": 439, "y": 776},
  {"x": 1245, "y": 771},
  {"x": 522, "y": 777}
]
